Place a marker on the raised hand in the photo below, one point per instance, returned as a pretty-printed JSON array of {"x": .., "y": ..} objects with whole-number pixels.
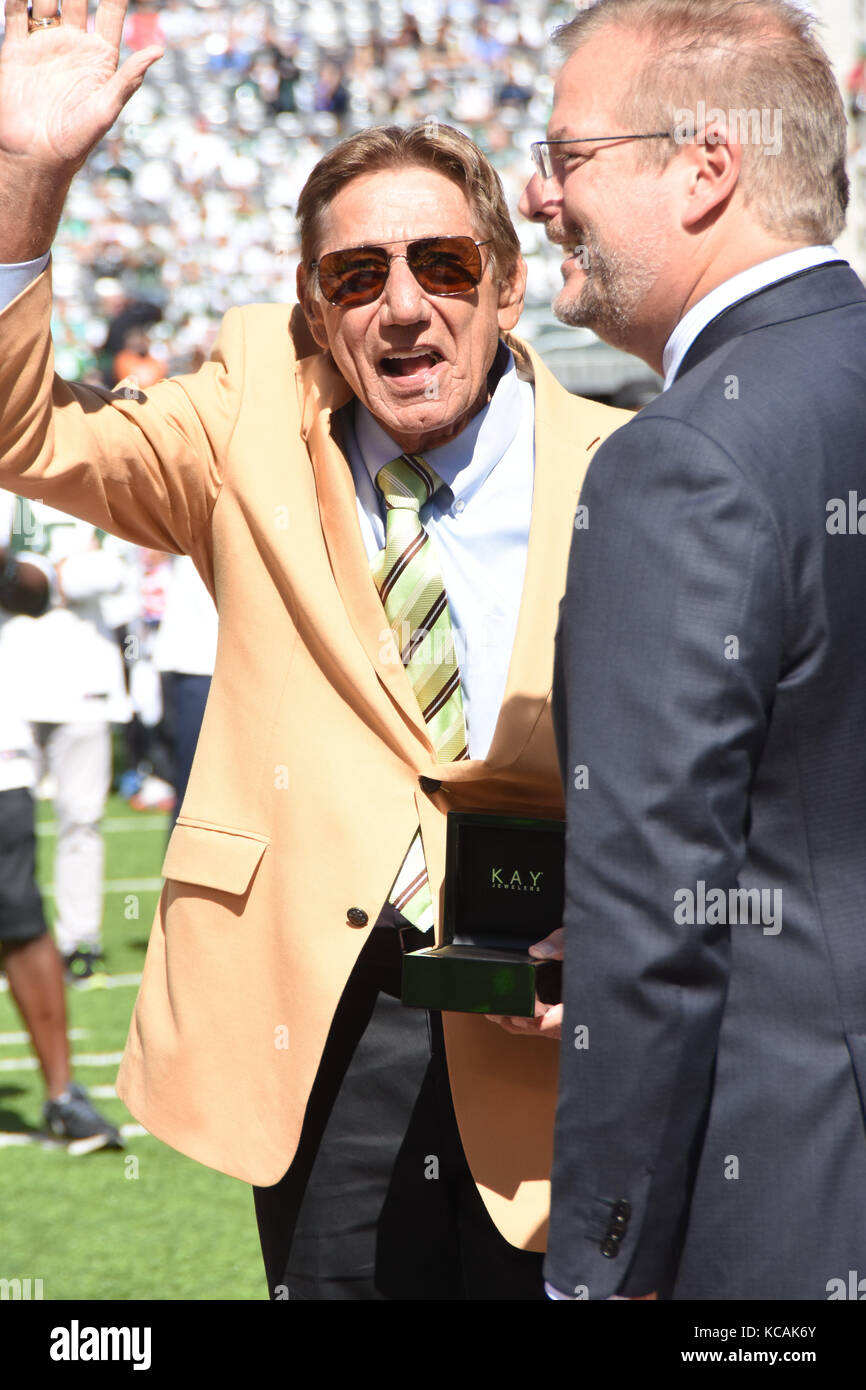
[{"x": 60, "y": 87}]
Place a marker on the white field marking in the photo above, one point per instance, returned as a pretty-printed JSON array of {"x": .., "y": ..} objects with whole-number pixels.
[
  {"x": 105, "y": 982},
  {"x": 102, "y": 1093},
  {"x": 121, "y": 885},
  {"x": 82, "y": 1059},
  {"x": 121, "y": 981},
  {"x": 8, "y": 1039},
  {"x": 11, "y": 1140},
  {"x": 113, "y": 827}
]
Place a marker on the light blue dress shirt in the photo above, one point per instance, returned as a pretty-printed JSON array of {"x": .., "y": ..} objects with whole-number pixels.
[
  {"x": 479, "y": 527},
  {"x": 15, "y": 278}
]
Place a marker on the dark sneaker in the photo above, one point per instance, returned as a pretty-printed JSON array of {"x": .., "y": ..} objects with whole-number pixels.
[
  {"x": 84, "y": 967},
  {"x": 73, "y": 1117}
]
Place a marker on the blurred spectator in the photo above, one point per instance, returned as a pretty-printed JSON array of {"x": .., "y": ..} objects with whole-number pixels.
[
  {"x": 125, "y": 315},
  {"x": 71, "y": 688},
  {"x": 142, "y": 25},
  {"x": 149, "y": 781},
  {"x": 331, "y": 94},
  {"x": 856, "y": 86},
  {"x": 136, "y": 363},
  {"x": 184, "y": 651},
  {"x": 33, "y": 967},
  {"x": 512, "y": 92}
]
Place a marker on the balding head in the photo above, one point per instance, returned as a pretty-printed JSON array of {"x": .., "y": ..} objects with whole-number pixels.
[{"x": 759, "y": 63}]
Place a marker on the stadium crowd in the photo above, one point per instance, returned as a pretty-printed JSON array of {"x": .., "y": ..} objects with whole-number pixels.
[{"x": 189, "y": 206}]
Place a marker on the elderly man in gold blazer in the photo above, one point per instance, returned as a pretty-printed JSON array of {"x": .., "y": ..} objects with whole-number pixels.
[{"x": 315, "y": 766}]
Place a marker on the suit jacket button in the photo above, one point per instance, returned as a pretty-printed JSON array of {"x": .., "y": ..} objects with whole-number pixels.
[
  {"x": 618, "y": 1223},
  {"x": 622, "y": 1208},
  {"x": 429, "y": 785},
  {"x": 610, "y": 1247},
  {"x": 357, "y": 916}
]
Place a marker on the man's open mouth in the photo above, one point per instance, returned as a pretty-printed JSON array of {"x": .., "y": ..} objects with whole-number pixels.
[{"x": 410, "y": 363}]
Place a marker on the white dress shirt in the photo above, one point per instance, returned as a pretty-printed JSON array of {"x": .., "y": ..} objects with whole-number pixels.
[{"x": 757, "y": 277}]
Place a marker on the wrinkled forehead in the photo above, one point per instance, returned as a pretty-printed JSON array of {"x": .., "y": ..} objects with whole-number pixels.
[{"x": 394, "y": 205}]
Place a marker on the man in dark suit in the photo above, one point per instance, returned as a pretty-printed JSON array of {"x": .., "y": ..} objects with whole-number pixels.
[{"x": 710, "y": 692}]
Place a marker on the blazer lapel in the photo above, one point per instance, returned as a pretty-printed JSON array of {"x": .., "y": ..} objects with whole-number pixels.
[
  {"x": 322, "y": 393},
  {"x": 830, "y": 285}
]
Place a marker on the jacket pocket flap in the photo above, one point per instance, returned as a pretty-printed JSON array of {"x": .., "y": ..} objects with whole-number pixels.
[{"x": 214, "y": 857}]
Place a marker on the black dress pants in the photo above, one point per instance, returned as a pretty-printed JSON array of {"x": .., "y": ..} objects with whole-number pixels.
[{"x": 379, "y": 1202}]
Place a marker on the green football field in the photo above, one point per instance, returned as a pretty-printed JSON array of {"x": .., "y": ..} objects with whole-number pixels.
[{"x": 144, "y": 1223}]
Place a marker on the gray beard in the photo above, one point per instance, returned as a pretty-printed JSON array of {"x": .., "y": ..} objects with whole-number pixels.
[{"x": 612, "y": 293}]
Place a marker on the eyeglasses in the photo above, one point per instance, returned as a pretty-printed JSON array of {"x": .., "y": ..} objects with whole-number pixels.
[
  {"x": 543, "y": 159},
  {"x": 441, "y": 264}
]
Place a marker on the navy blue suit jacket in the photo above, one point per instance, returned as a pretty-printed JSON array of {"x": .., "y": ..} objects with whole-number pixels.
[{"x": 710, "y": 704}]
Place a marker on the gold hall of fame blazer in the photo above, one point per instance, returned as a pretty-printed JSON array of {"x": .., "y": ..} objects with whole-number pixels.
[{"x": 313, "y": 766}]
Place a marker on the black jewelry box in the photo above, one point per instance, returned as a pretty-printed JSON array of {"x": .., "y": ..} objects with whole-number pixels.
[{"x": 503, "y": 893}]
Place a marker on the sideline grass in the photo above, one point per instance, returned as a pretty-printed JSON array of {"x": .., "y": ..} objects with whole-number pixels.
[{"x": 89, "y": 1227}]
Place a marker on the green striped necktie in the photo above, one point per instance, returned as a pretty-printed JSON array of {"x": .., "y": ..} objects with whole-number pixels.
[{"x": 410, "y": 585}]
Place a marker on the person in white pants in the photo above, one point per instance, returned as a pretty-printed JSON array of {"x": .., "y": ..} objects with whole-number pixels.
[
  {"x": 28, "y": 955},
  {"x": 72, "y": 690}
]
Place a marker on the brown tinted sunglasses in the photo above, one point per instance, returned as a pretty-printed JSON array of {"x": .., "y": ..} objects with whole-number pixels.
[{"x": 441, "y": 265}]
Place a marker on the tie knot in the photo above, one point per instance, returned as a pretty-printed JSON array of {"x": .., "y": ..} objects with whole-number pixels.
[{"x": 408, "y": 481}]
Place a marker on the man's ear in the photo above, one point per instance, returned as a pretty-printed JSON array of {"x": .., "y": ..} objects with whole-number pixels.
[
  {"x": 311, "y": 306},
  {"x": 713, "y": 165},
  {"x": 511, "y": 294}
]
